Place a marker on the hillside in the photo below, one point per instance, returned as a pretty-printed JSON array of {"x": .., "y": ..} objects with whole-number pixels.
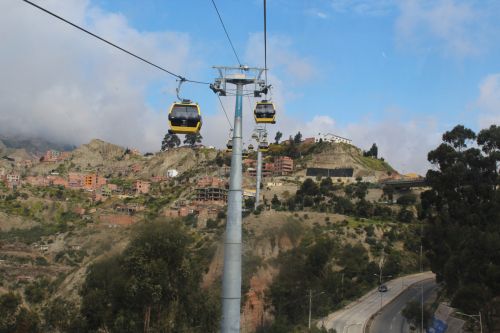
[
  {"x": 333, "y": 156},
  {"x": 52, "y": 232}
]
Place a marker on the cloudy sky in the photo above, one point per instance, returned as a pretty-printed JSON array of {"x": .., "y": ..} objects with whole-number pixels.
[{"x": 394, "y": 72}]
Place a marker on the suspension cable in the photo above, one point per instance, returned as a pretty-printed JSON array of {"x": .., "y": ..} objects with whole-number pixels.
[
  {"x": 180, "y": 77},
  {"x": 224, "y": 109},
  {"x": 227, "y": 34},
  {"x": 265, "y": 44}
]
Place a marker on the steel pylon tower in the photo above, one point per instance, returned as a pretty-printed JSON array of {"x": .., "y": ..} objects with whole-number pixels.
[
  {"x": 260, "y": 134},
  {"x": 231, "y": 279}
]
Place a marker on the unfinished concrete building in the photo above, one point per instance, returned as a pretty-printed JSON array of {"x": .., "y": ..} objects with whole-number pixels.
[{"x": 211, "y": 189}]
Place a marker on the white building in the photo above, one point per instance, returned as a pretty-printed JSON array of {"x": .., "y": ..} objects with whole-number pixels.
[
  {"x": 13, "y": 178},
  {"x": 172, "y": 173},
  {"x": 328, "y": 137}
]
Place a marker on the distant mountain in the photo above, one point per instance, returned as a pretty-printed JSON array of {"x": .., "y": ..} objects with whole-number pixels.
[{"x": 35, "y": 146}]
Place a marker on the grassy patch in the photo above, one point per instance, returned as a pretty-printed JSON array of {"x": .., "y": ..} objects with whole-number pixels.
[
  {"x": 32, "y": 235},
  {"x": 354, "y": 223},
  {"x": 373, "y": 163}
]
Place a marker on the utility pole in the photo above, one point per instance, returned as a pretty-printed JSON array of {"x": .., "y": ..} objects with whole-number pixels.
[
  {"x": 259, "y": 177},
  {"x": 421, "y": 283},
  {"x": 231, "y": 278},
  {"x": 342, "y": 288},
  {"x": 310, "y": 307}
]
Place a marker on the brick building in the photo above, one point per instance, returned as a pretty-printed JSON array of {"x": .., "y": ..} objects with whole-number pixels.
[
  {"x": 283, "y": 165},
  {"x": 93, "y": 181},
  {"x": 36, "y": 181},
  {"x": 55, "y": 156},
  {"x": 211, "y": 189},
  {"x": 267, "y": 170},
  {"x": 13, "y": 180},
  {"x": 142, "y": 187},
  {"x": 75, "y": 180}
]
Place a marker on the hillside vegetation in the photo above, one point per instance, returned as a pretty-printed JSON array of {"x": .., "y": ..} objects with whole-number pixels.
[{"x": 65, "y": 269}]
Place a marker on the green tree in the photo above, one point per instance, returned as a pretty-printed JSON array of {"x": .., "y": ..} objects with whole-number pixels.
[
  {"x": 462, "y": 211},
  {"x": 407, "y": 199},
  {"x": 15, "y": 318},
  {"x": 278, "y": 137},
  {"x": 361, "y": 190},
  {"x": 61, "y": 315},
  {"x": 308, "y": 187},
  {"x": 297, "y": 138},
  {"x": 154, "y": 284},
  {"x": 373, "y": 152},
  {"x": 413, "y": 314},
  {"x": 9, "y": 307},
  {"x": 192, "y": 139},
  {"x": 170, "y": 140},
  {"x": 36, "y": 291},
  {"x": 275, "y": 202},
  {"x": 388, "y": 192},
  {"x": 219, "y": 160},
  {"x": 343, "y": 205},
  {"x": 326, "y": 186}
]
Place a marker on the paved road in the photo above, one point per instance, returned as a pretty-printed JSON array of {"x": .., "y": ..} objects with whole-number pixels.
[
  {"x": 390, "y": 320},
  {"x": 353, "y": 317}
]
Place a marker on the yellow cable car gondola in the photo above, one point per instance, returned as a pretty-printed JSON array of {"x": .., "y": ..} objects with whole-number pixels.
[
  {"x": 184, "y": 118},
  {"x": 263, "y": 147},
  {"x": 244, "y": 153},
  {"x": 229, "y": 146},
  {"x": 265, "y": 112}
]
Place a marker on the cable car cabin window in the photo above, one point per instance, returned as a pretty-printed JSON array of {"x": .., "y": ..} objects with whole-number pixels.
[
  {"x": 265, "y": 110},
  {"x": 184, "y": 115}
]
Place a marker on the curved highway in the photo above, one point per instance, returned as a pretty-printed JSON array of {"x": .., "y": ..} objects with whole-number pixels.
[
  {"x": 354, "y": 317},
  {"x": 390, "y": 319}
]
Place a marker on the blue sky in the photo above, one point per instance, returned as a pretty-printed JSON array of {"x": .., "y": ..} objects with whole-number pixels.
[
  {"x": 395, "y": 72},
  {"x": 361, "y": 67}
]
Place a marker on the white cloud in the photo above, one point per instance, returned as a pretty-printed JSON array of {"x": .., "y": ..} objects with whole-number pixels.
[
  {"x": 488, "y": 102},
  {"x": 287, "y": 70},
  {"x": 452, "y": 27},
  {"x": 363, "y": 7},
  {"x": 403, "y": 144},
  {"x": 66, "y": 86},
  {"x": 282, "y": 57},
  {"x": 314, "y": 12}
]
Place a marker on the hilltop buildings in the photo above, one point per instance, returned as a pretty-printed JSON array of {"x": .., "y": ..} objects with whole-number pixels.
[
  {"x": 282, "y": 166},
  {"x": 328, "y": 137},
  {"x": 52, "y": 156}
]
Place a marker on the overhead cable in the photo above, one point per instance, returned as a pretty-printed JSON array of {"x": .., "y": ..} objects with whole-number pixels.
[
  {"x": 227, "y": 34},
  {"x": 224, "y": 109},
  {"x": 180, "y": 77},
  {"x": 265, "y": 42}
]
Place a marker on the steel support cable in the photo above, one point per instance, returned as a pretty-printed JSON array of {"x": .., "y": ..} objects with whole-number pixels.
[
  {"x": 227, "y": 34},
  {"x": 180, "y": 77},
  {"x": 224, "y": 109},
  {"x": 265, "y": 43}
]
